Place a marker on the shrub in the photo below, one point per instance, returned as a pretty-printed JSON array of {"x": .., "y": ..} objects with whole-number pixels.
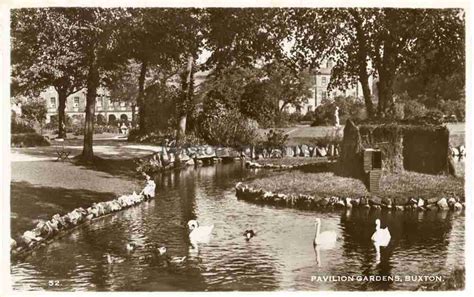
[
  {"x": 456, "y": 108},
  {"x": 414, "y": 109},
  {"x": 226, "y": 127},
  {"x": 309, "y": 116},
  {"x": 19, "y": 125},
  {"x": 434, "y": 117},
  {"x": 276, "y": 139},
  {"x": 285, "y": 119},
  {"x": 349, "y": 108},
  {"x": 28, "y": 140},
  {"x": 34, "y": 111},
  {"x": 324, "y": 114}
]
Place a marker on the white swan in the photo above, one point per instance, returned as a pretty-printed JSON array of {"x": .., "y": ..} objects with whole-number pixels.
[
  {"x": 325, "y": 238},
  {"x": 381, "y": 237},
  {"x": 199, "y": 233}
]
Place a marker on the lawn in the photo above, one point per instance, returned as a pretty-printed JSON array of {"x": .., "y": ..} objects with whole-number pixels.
[
  {"x": 394, "y": 186},
  {"x": 43, "y": 188}
]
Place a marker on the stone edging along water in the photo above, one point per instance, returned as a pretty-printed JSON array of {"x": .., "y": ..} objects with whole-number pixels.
[
  {"x": 309, "y": 202},
  {"x": 255, "y": 165},
  {"x": 58, "y": 226},
  {"x": 167, "y": 157}
]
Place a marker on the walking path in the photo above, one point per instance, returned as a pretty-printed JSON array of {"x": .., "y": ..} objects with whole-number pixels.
[{"x": 42, "y": 186}]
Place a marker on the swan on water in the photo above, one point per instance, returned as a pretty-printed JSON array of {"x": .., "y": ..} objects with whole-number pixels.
[
  {"x": 199, "y": 233},
  {"x": 249, "y": 234},
  {"x": 323, "y": 238},
  {"x": 381, "y": 237}
]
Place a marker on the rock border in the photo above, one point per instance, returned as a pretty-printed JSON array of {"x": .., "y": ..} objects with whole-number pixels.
[
  {"x": 58, "y": 226},
  {"x": 255, "y": 165},
  {"x": 168, "y": 158},
  {"x": 309, "y": 202}
]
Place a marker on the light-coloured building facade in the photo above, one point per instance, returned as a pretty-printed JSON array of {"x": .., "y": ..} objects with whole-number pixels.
[
  {"x": 320, "y": 92},
  {"x": 111, "y": 110}
]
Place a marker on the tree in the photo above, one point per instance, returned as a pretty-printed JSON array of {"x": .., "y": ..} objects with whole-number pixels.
[
  {"x": 228, "y": 84},
  {"x": 99, "y": 30},
  {"x": 287, "y": 85},
  {"x": 383, "y": 42},
  {"x": 159, "y": 40},
  {"x": 45, "y": 53},
  {"x": 124, "y": 87},
  {"x": 260, "y": 93}
]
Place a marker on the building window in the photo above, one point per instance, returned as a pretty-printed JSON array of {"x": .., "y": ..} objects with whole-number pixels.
[
  {"x": 76, "y": 101},
  {"x": 122, "y": 103},
  {"x": 99, "y": 101},
  {"x": 323, "y": 80},
  {"x": 329, "y": 64},
  {"x": 310, "y": 108},
  {"x": 53, "y": 102},
  {"x": 323, "y": 95}
]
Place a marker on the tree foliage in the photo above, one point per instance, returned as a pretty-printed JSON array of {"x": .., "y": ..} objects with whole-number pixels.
[
  {"x": 260, "y": 93},
  {"x": 46, "y": 52},
  {"x": 244, "y": 37},
  {"x": 383, "y": 42}
]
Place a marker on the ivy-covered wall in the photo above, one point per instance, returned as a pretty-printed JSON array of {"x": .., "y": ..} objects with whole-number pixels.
[{"x": 416, "y": 148}]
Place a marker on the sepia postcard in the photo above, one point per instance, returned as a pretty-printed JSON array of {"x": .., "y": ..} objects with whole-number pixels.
[{"x": 265, "y": 147}]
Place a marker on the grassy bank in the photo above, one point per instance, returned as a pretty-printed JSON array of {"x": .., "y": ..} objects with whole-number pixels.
[
  {"x": 393, "y": 186},
  {"x": 43, "y": 188}
]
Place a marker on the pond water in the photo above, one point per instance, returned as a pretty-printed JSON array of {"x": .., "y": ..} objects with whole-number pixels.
[{"x": 279, "y": 257}]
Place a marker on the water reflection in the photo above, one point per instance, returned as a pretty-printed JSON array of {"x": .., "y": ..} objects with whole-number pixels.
[{"x": 280, "y": 257}]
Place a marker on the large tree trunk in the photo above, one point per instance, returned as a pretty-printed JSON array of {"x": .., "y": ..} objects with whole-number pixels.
[
  {"x": 385, "y": 94},
  {"x": 369, "y": 105},
  {"x": 62, "y": 97},
  {"x": 188, "y": 90},
  {"x": 387, "y": 66},
  {"x": 92, "y": 85},
  {"x": 362, "y": 57},
  {"x": 386, "y": 73},
  {"x": 141, "y": 98}
]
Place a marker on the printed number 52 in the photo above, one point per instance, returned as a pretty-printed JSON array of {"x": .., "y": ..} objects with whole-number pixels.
[{"x": 53, "y": 283}]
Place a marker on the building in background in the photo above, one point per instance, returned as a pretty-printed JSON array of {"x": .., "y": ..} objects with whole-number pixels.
[
  {"x": 320, "y": 92},
  {"x": 110, "y": 110}
]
